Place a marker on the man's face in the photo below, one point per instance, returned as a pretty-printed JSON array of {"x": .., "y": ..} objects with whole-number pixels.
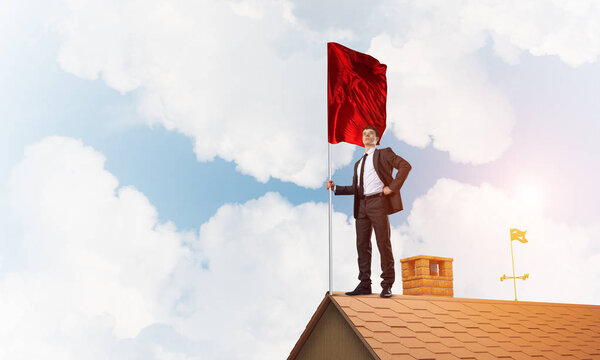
[{"x": 369, "y": 137}]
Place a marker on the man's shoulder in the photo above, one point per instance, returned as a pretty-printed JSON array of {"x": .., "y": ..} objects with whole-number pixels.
[{"x": 387, "y": 150}]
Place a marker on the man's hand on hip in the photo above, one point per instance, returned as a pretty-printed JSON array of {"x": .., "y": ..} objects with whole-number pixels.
[{"x": 387, "y": 190}]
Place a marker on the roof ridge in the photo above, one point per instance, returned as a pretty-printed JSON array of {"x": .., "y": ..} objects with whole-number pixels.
[{"x": 456, "y": 299}]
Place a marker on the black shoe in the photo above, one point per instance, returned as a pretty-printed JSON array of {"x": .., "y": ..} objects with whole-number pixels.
[
  {"x": 360, "y": 290},
  {"x": 386, "y": 292}
]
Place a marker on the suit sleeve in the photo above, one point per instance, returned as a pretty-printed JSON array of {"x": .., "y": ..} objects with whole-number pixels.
[
  {"x": 403, "y": 168},
  {"x": 344, "y": 190}
]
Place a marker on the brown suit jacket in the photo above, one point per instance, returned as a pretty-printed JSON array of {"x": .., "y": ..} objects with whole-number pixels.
[{"x": 384, "y": 161}]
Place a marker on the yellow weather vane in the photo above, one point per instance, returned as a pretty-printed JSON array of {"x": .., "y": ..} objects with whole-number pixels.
[{"x": 519, "y": 235}]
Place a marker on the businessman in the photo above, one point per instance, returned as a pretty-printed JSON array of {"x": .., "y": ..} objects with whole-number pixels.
[{"x": 376, "y": 195}]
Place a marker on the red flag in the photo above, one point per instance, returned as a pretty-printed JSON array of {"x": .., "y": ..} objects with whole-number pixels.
[{"x": 356, "y": 94}]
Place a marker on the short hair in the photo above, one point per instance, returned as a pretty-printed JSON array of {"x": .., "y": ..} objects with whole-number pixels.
[{"x": 371, "y": 127}]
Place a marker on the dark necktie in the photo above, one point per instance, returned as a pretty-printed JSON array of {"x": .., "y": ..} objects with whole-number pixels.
[{"x": 361, "y": 188}]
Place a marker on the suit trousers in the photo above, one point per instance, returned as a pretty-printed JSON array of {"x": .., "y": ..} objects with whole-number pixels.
[{"x": 372, "y": 215}]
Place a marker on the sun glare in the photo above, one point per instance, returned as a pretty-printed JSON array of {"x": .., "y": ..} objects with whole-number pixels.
[{"x": 530, "y": 198}]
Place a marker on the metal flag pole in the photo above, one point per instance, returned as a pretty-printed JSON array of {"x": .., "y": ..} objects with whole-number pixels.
[
  {"x": 330, "y": 215},
  {"x": 513, "y": 264}
]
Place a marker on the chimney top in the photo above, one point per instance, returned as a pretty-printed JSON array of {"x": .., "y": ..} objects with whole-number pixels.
[{"x": 427, "y": 275}]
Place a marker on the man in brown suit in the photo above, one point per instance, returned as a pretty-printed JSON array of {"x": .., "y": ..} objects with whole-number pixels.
[{"x": 376, "y": 195}]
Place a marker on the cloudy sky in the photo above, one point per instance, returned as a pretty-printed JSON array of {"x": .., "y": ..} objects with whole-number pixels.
[{"x": 162, "y": 164}]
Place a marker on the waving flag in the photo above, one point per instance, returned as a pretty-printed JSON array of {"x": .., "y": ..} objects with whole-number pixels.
[
  {"x": 356, "y": 94},
  {"x": 516, "y": 234}
]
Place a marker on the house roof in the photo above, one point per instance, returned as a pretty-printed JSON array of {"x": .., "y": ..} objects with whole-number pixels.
[{"x": 433, "y": 327}]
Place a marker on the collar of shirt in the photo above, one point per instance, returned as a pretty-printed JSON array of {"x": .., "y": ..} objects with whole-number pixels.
[{"x": 371, "y": 151}]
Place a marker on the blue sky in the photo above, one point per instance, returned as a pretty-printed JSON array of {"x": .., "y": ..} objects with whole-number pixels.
[{"x": 156, "y": 158}]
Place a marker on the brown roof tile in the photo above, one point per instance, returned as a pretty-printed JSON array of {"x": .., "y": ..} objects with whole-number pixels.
[
  {"x": 375, "y": 344},
  {"x": 394, "y": 321},
  {"x": 518, "y": 355},
  {"x": 418, "y": 327},
  {"x": 360, "y": 306},
  {"x": 386, "y": 337},
  {"x": 433, "y": 323},
  {"x": 446, "y": 357},
  {"x": 383, "y": 355},
  {"x": 402, "y": 357},
  {"x": 422, "y": 354},
  {"x": 464, "y": 337},
  {"x": 488, "y": 356},
  {"x": 424, "y": 314},
  {"x": 387, "y": 313},
  {"x": 581, "y": 355},
  {"x": 509, "y": 346},
  {"x": 411, "y": 318},
  {"x": 452, "y": 342},
  {"x": 413, "y": 343},
  {"x": 488, "y": 342},
  {"x": 398, "y": 349},
  {"x": 489, "y": 328},
  {"x": 467, "y": 323},
  {"x": 531, "y": 351},
  {"x": 499, "y": 337},
  {"x": 463, "y": 353},
  {"x": 428, "y": 327},
  {"x": 427, "y": 337},
  {"x": 398, "y": 307},
  {"x": 447, "y": 319},
  {"x": 403, "y": 332},
  {"x": 498, "y": 352},
  {"x": 442, "y": 332},
  {"x": 476, "y": 347},
  {"x": 377, "y": 326},
  {"x": 364, "y": 331},
  {"x": 438, "y": 348},
  {"x": 358, "y": 321}
]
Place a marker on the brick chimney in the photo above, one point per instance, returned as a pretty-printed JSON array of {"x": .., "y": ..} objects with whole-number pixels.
[{"x": 427, "y": 275}]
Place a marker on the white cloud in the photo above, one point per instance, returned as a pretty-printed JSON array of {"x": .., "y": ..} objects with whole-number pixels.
[
  {"x": 241, "y": 78},
  {"x": 266, "y": 274},
  {"x": 246, "y": 79},
  {"x": 439, "y": 91},
  {"x": 471, "y": 224},
  {"x": 440, "y": 95},
  {"x": 96, "y": 261},
  {"x": 567, "y": 29},
  {"x": 100, "y": 275}
]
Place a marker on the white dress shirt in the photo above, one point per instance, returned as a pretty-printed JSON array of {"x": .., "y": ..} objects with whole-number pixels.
[{"x": 373, "y": 184}]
